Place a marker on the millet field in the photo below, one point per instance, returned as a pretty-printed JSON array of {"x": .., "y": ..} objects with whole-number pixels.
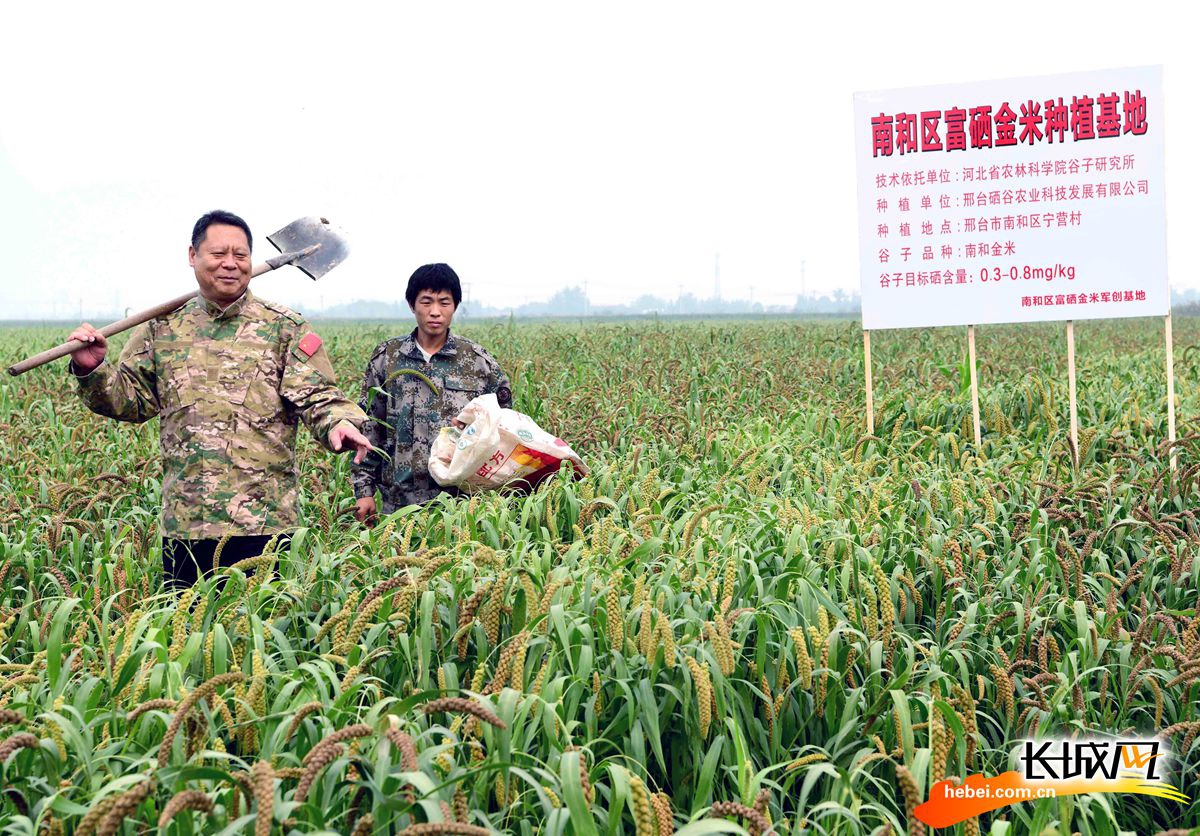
[{"x": 751, "y": 616}]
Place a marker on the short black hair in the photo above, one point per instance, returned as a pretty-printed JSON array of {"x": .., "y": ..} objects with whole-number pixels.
[
  {"x": 219, "y": 216},
  {"x": 435, "y": 277}
]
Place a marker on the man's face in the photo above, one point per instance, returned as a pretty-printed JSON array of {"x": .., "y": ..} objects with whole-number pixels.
[
  {"x": 222, "y": 264},
  {"x": 434, "y": 309}
]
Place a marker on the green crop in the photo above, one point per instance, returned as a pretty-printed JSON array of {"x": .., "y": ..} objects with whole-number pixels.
[{"x": 751, "y": 615}]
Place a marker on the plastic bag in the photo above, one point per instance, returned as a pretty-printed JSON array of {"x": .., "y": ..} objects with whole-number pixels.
[{"x": 496, "y": 447}]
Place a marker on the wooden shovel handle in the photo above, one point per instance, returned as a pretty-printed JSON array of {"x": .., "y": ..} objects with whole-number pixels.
[
  {"x": 138, "y": 318},
  {"x": 108, "y": 330}
]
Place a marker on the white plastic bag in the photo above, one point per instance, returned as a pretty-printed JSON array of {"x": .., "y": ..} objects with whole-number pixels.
[{"x": 497, "y": 446}]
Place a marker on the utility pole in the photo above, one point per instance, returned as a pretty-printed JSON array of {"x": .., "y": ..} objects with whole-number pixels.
[
  {"x": 587, "y": 303},
  {"x": 803, "y": 263},
  {"x": 717, "y": 276}
]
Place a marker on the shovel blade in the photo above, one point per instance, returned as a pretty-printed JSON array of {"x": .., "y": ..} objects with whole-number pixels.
[{"x": 303, "y": 233}]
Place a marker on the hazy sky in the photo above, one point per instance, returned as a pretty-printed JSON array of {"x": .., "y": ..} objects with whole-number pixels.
[{"x": 530, "y": 145}]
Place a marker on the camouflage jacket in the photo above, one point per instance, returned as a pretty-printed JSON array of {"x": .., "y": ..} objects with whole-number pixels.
[
  {"x": 405, "y": 420},
  {"x": 229, "y": 388}
]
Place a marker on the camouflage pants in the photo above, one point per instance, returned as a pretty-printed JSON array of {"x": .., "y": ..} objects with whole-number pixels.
[{"x": 412, "y": 493}]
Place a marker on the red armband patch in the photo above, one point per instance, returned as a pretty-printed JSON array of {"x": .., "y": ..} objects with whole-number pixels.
[{"x": 309, "y": 344}]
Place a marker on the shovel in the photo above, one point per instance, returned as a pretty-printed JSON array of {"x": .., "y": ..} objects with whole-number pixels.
[{"x": 313, "y": 244}]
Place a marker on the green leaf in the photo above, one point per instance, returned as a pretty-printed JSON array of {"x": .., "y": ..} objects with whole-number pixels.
[
  {"x": 54, "y": 645},
  {"x": 708, "y": 772},
  {"x": 582, "y": 821}
]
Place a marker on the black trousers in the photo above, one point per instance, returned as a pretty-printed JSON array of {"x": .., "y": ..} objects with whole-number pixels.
[{"x": 186, "y": 561}]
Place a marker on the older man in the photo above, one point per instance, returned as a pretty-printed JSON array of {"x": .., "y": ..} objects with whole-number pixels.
[{"x": 229, "y": 376}]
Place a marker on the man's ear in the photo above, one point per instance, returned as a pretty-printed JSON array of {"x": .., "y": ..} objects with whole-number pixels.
[{"x": 191, "y": 256}]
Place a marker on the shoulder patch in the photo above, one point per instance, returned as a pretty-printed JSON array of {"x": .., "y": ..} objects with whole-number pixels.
[{"x": 309, "y": 344}]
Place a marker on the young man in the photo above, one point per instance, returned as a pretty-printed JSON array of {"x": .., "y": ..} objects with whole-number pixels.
[
  {"x": 404, "y": 411},
  {"x": 229, "y": 376}
]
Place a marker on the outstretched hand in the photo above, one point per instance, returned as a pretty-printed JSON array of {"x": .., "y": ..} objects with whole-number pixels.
[
  {"x": 346, "y": 435},
  {"x": 365, "y": 511}
]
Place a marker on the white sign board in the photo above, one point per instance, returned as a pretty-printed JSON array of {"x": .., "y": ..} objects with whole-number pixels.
[{"x": 1021, "y": 200}]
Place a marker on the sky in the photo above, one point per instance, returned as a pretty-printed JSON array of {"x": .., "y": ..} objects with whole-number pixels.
[{"x": 532, "y": 146}]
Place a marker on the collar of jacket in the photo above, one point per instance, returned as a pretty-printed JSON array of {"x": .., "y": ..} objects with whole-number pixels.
[
  {"x": 233, "y": 309},
  {"x": 409, "y": 347}
]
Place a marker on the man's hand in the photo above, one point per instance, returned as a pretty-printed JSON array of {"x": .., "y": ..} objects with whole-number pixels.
[
  {"x": 87, "y": 358},
  {"x": 365, "y": 511},
  {"x": 346, "y": 435}
]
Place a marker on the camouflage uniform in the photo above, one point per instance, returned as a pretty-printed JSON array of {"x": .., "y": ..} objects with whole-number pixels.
[
  {"x": 229, "y": 387},
  {"x": 413, "y": 413}
]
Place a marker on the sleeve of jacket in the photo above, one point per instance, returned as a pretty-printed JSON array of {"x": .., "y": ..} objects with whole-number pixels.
[
  {"x": 127, "y": 391},
  {"x": 309, "y": 385},
  {"x": 497, "y": 380},
  {"x": 366, "y": 477}
]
